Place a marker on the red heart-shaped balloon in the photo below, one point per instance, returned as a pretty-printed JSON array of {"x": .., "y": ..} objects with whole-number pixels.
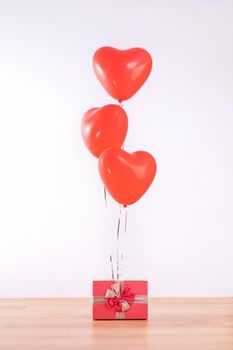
[
  {"x": 122, "y": 72},
  {"x": 104, "y": 127},
  {"x": 127, "y": 176}
]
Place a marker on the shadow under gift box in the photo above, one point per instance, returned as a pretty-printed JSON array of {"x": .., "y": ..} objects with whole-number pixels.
[{"x": 117, "y": 300}]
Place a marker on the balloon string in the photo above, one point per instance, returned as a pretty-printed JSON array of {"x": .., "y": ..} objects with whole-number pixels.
[
  {"x": 118, "y": 242},
  {"x": 126, "y": 219},
  {"x": 105, "y": 196},
  {"x": 120, "y": 255},
  {"x": 125, "y": 229},
  {"x": 110, "y": 255},
  {"x": 111, "y": 266}
]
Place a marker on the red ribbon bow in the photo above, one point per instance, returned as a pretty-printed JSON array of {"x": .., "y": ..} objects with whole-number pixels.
[{"x": 119, "y": 297}]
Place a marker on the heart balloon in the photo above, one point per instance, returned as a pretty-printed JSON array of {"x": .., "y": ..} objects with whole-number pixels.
[
  {"x": 127, "y": 176},
  {"x": 122, "y": 72},
  {"x": 103, "y": 128}
]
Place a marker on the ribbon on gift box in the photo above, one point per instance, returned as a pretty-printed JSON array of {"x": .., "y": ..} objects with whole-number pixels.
[{"x": 119, "y": 297}]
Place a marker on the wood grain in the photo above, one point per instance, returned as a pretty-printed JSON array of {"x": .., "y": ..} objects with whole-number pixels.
[{"x": 64, "y": 324}]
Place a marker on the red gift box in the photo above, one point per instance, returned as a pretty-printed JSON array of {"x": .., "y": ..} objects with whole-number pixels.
[{"x": 120, "y": 300}]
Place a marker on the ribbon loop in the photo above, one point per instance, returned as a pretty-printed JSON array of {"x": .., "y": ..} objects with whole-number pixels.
[{"x": 119, "y": 297}]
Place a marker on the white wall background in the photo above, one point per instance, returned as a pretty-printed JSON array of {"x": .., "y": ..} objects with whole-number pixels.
[{"x": 55, "y": 232}]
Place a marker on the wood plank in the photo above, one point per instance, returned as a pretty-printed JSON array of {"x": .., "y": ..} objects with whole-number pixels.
[{"x": 65, "y": 324}]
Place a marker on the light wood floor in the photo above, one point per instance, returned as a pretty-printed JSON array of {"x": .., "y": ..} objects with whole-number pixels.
[{"x": 64, "y": 324}]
